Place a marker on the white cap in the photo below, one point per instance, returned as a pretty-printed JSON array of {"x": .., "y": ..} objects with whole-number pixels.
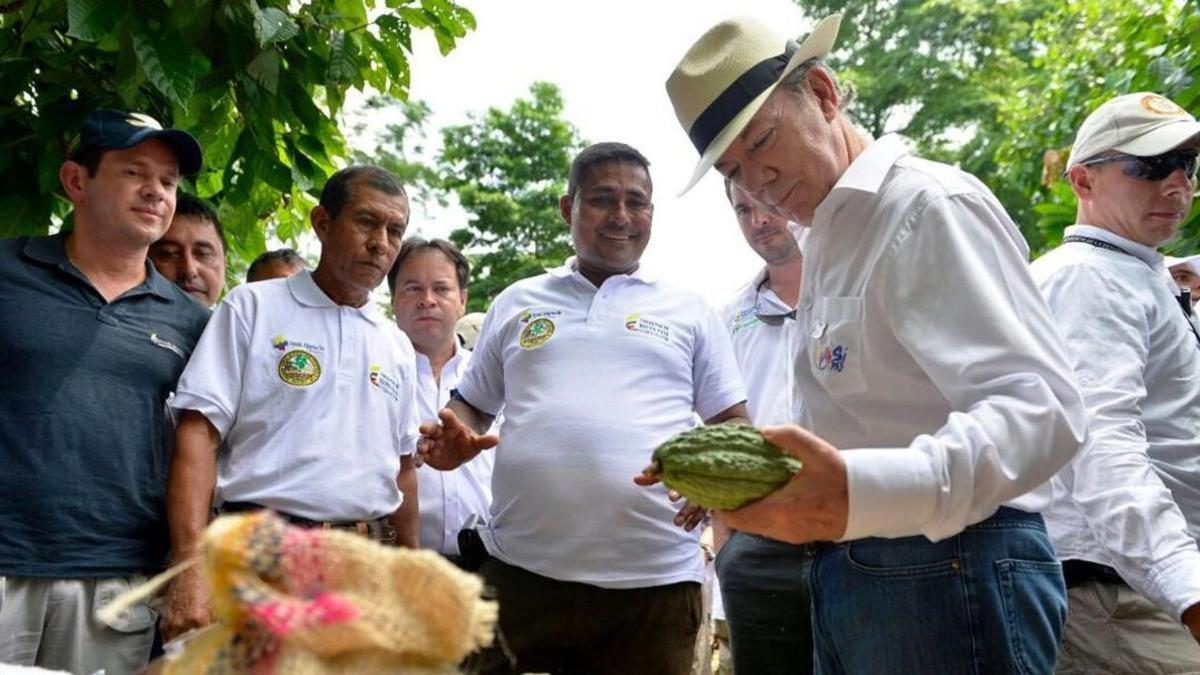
[
  {"x": 1142, "y": 124},
  {"x": 1192, "y": 262},
  {"x": 468, "y": 328}
]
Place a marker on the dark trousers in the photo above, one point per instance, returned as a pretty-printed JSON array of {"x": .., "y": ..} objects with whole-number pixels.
[
  {"x": 764, "y": 587},
  {"x": 562, "y": 627}
]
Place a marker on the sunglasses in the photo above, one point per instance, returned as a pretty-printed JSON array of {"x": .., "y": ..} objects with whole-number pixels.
[
  {"x": 1154, "y": 168},
  {"x": 769, "y": 319}
]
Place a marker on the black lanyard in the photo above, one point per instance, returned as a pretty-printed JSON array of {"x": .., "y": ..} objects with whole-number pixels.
[{"x": 1185, "y": 300}]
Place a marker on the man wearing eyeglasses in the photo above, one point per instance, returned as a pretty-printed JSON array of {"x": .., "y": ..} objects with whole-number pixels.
[
  {"x": 764, "y": 582},
  {"x": 1126, "y": 512}
]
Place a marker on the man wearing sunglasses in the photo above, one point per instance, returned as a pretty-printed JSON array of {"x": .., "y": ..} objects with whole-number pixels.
[
  {"x": 764, "y": 582},
  {"x": 1126, "y": 512}
]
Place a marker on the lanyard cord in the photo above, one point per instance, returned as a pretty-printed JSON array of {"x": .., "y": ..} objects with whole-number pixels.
[{"x": 1185, "y": 299}]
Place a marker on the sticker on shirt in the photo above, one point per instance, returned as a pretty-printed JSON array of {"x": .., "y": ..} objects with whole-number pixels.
[
  {"x": 384, "y": 382},
  {"x": 299, "y": 368},
  {"x": 832, "y": 358},
  {"x": 536, "y": 333},
  {"x": 281, "y": 344},
  {"x": 644, "y": 325},
  {"x": 745, "y": 320}
]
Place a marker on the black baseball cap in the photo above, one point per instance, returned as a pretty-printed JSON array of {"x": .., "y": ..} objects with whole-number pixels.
[{"x": 117, "y": 130}]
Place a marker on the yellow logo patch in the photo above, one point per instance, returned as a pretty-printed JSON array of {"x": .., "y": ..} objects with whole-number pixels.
[
  {"x": 1161, "y": 105},
  {"x": 536, "y": 333},
  {"x": 299, "y": 368}
]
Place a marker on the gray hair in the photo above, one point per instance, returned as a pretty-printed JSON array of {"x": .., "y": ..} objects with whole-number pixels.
[{"x": 797, "y": 82}]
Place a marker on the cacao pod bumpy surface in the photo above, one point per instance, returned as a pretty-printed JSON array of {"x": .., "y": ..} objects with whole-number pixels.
[{"x": 723, "y": 466}]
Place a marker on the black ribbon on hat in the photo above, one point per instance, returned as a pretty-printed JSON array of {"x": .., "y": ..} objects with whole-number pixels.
[{"x": 735, "y": 97}]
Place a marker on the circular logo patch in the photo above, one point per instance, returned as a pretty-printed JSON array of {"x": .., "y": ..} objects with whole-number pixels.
[
  {"x": 536, "y": 333},
  {"x": 1161, "y": 105},
  {"x": 299, "y": 368}
]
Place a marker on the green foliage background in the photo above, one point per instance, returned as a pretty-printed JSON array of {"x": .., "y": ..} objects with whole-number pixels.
[
  {"x": 1000, "y": 87},
  {"x": 259, "y": 82}
]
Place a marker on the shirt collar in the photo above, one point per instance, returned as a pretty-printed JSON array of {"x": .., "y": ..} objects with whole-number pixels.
[
  {"x": 1144, "y": 253},
  {"x": 570, "y": 268},
  {"x": 760, "y": 290},
  {"x": 454, "y": 365},
  {"x": 52, "y": 250},
  {"x": 867, "y": 171},
  {"x": 306, "y": 292}
]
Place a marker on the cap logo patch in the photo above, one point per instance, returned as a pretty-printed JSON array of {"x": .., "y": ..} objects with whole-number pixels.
[
  {"x": 141, "y": 120},
  {"x": 1160, "y": 105}
]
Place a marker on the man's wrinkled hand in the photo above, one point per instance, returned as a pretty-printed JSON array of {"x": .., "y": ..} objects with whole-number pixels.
[
  {"x": 448, "y": 445},
  {"x": 813, "y": 506},
  {"x": 187, "y": 605}
]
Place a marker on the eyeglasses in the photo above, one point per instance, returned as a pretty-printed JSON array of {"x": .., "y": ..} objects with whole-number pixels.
[
  {"x": 769, "y": 319},
  {"x": 1154, "y": 168}
]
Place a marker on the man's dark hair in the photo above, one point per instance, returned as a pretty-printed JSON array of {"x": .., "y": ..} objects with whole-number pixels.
[
  {"x": 90, "y": 159},
  {"x": 286, "y": 256},
  {"x": 337, "y": 189},
  {"x": 191, "y": 205},
  {"x": 603, "y": 153},
  {"x": 414, "y": 245}
]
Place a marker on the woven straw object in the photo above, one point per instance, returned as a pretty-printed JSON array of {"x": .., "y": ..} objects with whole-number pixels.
[{"x": 296, "y": 601}]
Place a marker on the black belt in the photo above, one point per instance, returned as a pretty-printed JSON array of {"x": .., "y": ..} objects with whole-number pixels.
[
  {"x": 379, "y": 529},
  {"x": 1080, "y": 572}
]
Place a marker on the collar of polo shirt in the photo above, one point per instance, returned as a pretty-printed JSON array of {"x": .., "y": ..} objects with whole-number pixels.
[{"x": 306, "y": 292}]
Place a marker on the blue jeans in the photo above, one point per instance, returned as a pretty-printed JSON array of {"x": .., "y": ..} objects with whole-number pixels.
[
  {"x": 990, "y": 600},
  {"x": 764, "y": 585}
]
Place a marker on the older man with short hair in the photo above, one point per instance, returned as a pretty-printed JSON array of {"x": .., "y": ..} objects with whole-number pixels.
[
  {"x": 93, "y": 340},
  {"x": 1130, "y": 556},
  {"x": 281, "y": 263},
  {"x": 937, "y": 402},
  {"x": 192, "y": 252},
  {"x": 310, "y": 389}
]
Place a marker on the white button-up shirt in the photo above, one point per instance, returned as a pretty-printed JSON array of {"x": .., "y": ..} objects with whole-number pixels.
[
  {"x": 316, "y": 401},
  {"x": 1138, "y": 364},
  {"x": 762, "y": 351},
  {"x": 591, "y": 380},
  {"x": 448, "y": 498},
  {"x": 926, "y": 352}
]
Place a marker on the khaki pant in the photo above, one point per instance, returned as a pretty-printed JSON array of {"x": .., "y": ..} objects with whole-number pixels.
[
  {"x": 1115, "y": 630},
  {"x": 51, "y": 623}
]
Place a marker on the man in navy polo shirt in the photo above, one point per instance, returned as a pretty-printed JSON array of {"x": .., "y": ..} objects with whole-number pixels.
[{"x": 92, "y": 343}]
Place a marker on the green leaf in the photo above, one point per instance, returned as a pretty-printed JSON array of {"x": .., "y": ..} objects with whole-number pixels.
[
  {"x": 342, "y": 63},
  {"x": 93, "y": 20},
  {"x": 273, "y": 25},
  {"x": 170, "y": 65},
  {"x": 265, "y": 70}
]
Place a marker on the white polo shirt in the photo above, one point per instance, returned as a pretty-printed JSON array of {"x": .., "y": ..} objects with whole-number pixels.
[
  {"x": 316, "y": 401},
  {"x": 1138, "y": 364},
  {"x": 591, "y": 381},
  {"x": 926, "y": 353},
  {"x": 448, "y": 498},
  {"x": 763, "y": 351}
]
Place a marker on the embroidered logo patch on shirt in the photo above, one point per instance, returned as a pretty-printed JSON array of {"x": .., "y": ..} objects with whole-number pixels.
[
  {"x": 745, "y": 319},
  {"x": 384, "y": 382},
  {"x": 299, "y": 368},
  {"x": 636, "y": 323},
  {"x": 831, "y": 358},
  {"x": 281, "y": 344},
  {"x": 536, "y": 333},
  {"x": 531, "y": 314}
]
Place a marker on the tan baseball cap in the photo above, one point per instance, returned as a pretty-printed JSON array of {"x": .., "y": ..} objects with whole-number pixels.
[{"x": 1142, "y": 124}]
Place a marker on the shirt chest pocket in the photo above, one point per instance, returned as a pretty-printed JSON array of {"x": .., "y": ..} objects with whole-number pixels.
[{"x": 835, "y": 343}]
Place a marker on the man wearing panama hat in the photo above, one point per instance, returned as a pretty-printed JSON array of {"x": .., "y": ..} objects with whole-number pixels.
[{"x": 937, "y": 399}]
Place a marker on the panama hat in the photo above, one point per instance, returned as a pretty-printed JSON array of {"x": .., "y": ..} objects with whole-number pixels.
[
  {"x": 726, "y": 76},
  {"x": 1142, "y": 124},
  {"x": 1192, "y": 262}
]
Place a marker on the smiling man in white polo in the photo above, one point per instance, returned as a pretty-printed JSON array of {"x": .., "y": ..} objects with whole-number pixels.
[
  {"x": 594, "y": 364},
  {"x": 937, "y": 402}
]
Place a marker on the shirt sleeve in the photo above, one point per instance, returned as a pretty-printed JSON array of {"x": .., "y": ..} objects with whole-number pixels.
[
  {"x": 411, "y": 433},
  {"x": 211, "y": 383},
  {"x": 957, "y": 292},
  {"x": 482, "y": 385},
  {"x": 1129, "y": 510},
  {"x": 716, "y": 380}
]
